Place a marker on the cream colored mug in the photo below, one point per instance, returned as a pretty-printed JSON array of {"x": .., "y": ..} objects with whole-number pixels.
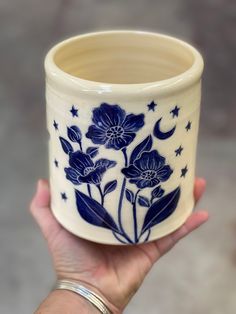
[{"x": 123, "y": 114}]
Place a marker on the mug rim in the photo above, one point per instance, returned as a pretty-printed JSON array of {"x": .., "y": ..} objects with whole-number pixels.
[{"x": 58, "y": 78}]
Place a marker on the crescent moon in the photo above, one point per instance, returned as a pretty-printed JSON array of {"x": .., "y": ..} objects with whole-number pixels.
[{"x": 162, "y": 135}]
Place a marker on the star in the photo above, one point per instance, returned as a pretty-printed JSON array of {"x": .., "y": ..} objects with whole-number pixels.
[
  {"x": 55, "y": 124},
  {"x": 184, "y": 171},
  {"x": 74, "y": 111},
  {"x": 56, "y": 163},
  {"x": 63, "y": 196},
  {"x": 178, "y": 151},
  {"x": 175, "y": 112},
  {"x": 188, "y": 126},
  {"x": 152, "y": 106}
]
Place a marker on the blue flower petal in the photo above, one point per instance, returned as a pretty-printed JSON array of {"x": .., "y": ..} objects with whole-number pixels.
[
  {"x": 74, "y": 133},
  {"x": 105, "y": 163},
  {"x": 80, "y": 161},
  {"x": 164, "y": 173},
  {"x": 97, "y": 135},
  {"x": 142, "y": 183},
  {"x": 112, "y": 127},
  {"x": 120, "y": 142},
  {"x": 150, "y": 161},
  {"x": 72, "y": 175},
  {"x": 133, "y": 123},
  {"x": 113, "y": 143},
  {"x": 92, "y": 177},
  {"x": 108, "y": 115},
  {"x": 157, "y": 192},
  {"x": 154, "y": 182},
  {"x": 131, "y": 172},
  {"x": 148, "y": 170},
  {"x": 134, "y": 180}
]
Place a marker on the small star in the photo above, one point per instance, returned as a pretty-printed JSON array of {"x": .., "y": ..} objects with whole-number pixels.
[
  {"x": 56, "y": 163},
  {"x": 175, "y": 112},
  {"x": 178, "y": 151},
  {"x": 188, "y": 126},
  {"x": 74, "y": 111},
  {"x": 152, "y": 106},
  {"x": 184, "y": 171},
  {"x": 55, "y": 125},
  {"x": 63, "y": 196}
]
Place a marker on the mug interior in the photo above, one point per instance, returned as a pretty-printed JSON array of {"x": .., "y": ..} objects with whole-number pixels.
[{"x": 124, "y": 57}]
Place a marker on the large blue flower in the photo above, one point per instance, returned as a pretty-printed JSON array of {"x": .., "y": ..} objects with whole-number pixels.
[
  {"x": 148, "y": 170},
  {"x": 83, "y": 170},
  {"x": 112, "y": 127}
]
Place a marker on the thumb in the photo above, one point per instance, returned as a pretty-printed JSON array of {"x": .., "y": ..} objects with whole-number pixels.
[{"x": 41, "y": 212}]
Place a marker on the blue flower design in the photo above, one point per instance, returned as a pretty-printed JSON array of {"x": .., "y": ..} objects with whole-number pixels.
[
  {"x": 148, "y": 170},
  {"x": 112, "y": 127},
  {"x": 83, "y": 170},
  {"x": 143, "y": 166}
]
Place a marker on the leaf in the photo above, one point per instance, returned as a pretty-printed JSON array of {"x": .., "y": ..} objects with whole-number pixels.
[
  {"x": 110, "y": 186},
  {"x": 161, "y": 209},
  {"x": 66, "y": 146},
  {"x": 143, "y": 201},
  {"x": 92, "y": 151},
  {"x": 72, "y": 175},
  {"x": 145, "y": 145},
  {"x": 145, "y": 236},
  {"x": 74, "y": 134},
  {"x": 129, "y": 195},
  {"x": 120, "y": 237},
  {"x": 157, "y": 192},
  {"x": 93, "y": 212}
]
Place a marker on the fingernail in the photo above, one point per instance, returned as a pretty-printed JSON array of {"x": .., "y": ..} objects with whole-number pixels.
[
  {"x": 42, "y": 184},
  {"x": 203, "y": 181}
]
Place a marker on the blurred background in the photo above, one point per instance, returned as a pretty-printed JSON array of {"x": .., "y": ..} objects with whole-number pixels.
[{"x": 198, "y": 276}]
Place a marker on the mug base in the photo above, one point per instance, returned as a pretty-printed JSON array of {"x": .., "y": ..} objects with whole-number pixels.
[{"x": 155, "y": 235}]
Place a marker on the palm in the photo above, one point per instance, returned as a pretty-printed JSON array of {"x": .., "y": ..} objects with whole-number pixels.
[
  {"x": 115, "y": 271},
  {"x": 88, "y": 262}
]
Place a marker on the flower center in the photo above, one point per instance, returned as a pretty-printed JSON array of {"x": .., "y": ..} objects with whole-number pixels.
[
  {"x": 148, "y": 175},
  {"x": 88, "y": 170},
  {"x": 115, "y": 132}
]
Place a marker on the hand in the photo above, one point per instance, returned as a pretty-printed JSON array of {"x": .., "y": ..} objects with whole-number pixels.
[{"x": 114, "y": 272}]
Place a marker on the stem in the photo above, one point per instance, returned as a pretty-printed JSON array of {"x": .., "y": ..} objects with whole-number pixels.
[
  {"x": 125, "y": 156},
  {"x": 115, "y": 235},
  {"x": 89, "y": 190},
  {"x": 88, "y": 186},
  {"x": 120, "y": 205},
  {"x": 80, "y": 145},
  {"x": 121, "y": 200},
  {"x": 135, "y": 218},
  {"x": 147, "y": 237},
  {"x": 102, "y": 195}
]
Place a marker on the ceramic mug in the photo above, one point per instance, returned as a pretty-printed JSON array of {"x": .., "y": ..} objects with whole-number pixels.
[{"x": 123, "y": 115}]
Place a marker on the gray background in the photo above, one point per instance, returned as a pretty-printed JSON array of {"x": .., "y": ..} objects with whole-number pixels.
[{"x": 198, "y": 276}]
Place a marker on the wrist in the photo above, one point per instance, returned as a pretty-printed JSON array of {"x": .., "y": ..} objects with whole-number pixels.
[
  {"x": 65, "y": 301},
  {"x": 92, "y": 288}
]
